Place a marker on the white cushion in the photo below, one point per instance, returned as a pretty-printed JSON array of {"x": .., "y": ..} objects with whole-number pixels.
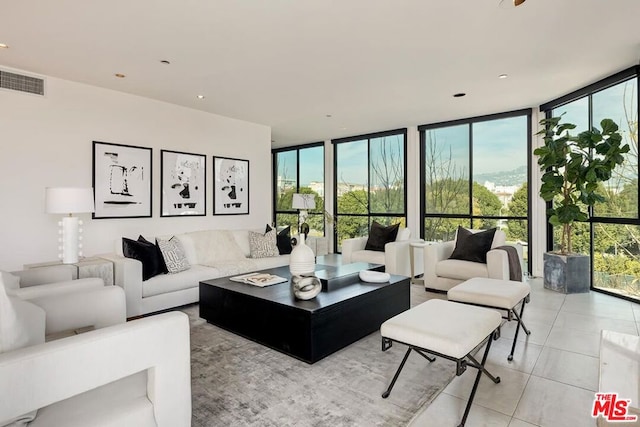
[
  {"x": 213, "y": 246},
  {"x": 14, "y": 322},
  {"x": 189, "y": 247},
  {"x": 242, "y": 239},
  {"x": 165, "y": 283},
  {"x": 445, "y": 327},
  {"x": 271, "y": 262},
  {"x": 122, "y": 402},
  {"x": 374, "y": 257},
  {"x": 490, "y": 292},
  {"x": 460, "y": 269}
]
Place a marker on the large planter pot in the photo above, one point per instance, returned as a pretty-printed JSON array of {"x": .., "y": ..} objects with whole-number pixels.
[{"x": 569, "y": 274}]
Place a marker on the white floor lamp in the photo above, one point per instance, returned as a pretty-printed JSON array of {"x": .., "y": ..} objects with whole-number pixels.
[{"x": 69, "y": 201}]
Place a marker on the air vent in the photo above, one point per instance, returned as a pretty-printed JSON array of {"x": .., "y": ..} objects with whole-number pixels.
[{"x": 21, "y": 83}]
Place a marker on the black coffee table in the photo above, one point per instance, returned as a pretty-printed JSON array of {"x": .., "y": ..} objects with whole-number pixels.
[{"x": 307, "y": 330}]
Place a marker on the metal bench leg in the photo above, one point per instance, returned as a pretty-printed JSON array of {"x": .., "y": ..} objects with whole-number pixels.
[
  {"x": 481, "y": 369},
  {"x": 395, "y": 377},
  {"x": 518, "y": 326}
]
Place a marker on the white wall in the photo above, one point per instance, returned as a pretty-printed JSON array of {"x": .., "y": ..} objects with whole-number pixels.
[{"x": 47, "y": 142}]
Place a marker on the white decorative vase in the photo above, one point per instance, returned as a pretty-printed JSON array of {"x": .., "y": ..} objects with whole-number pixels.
[{"x": 302, "y": 260}]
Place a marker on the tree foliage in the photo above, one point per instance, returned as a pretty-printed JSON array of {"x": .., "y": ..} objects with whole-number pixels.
[{"x": 573, "y": 166}]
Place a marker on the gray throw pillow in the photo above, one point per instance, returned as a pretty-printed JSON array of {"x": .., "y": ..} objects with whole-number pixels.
[{"x": 263, "y": 245}]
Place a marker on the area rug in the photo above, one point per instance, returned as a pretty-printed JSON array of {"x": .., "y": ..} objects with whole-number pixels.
[{"x": 237, "y": 382}]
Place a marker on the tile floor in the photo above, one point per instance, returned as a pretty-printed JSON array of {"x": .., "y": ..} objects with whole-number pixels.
[{"x": 554, "y": 374}]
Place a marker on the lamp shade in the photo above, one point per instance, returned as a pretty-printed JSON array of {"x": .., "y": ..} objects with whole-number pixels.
[
  {"x": 303, "y": 201},
  {"x": 68, "y": 200}
]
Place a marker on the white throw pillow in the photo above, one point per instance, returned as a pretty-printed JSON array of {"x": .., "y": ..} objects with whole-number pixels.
[
  {"x": 216, "y": 246},
  {"x": 263, "y": 245},
  {"x": 174, "y": 255}
]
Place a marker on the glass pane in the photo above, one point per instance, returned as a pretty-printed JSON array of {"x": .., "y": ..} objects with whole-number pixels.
[
  {"x": 516, "y": 230},
  {"x": 390, "y": 220},
  {"x": 447, "y": 170},
  {"x": 351, "y": 226},
  {"x": 287, "y": 184},
  {"x": 352, "y": 173},
  {"x": 442, "y": 229},
  {"x": 616, "y": 261},
  {"x": 387, "y": 174},
  {"x": 580, "y": 240},
  {"x": 619, "y": 104},
  {"x": 576, "y": 112},
  {"x": 495, "y": 183},
  {"x": 312, "y": 174},
  {"x": 284, "y": 220},
  {"x": 316, "y": 224}
]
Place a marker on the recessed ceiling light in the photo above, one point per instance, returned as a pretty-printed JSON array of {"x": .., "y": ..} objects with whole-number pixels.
[
  {"x": 4, "y": 46},
  {"x": 120, "y": 75},
  {"x": 200, "y": 96},
  {"x": 459, "y": 95},
  {"x": 328, "y": 115},
  {"x": 165, "y": 62},
  {"x": 503, "y": 76}
]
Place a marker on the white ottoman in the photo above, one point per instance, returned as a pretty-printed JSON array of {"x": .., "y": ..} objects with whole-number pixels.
[
  {"x": 497, "y": 294},
  {"x": 444, "y": 329}
]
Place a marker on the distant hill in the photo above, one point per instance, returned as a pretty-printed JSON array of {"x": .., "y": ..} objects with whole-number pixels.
[{"x": 515, "y": 176}]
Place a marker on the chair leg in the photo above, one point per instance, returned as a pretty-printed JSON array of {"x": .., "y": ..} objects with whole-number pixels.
[
  {"x": 481, "y": 369},
  {"x": 395, "y": 377},
  {"x": 518, "y": 326}
]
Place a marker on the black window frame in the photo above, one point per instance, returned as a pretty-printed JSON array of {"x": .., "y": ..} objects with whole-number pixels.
[
  {"x": 369, "y": 136},
  {"x": 528, "y": 113},
  {"x": 274, "y": 163}
]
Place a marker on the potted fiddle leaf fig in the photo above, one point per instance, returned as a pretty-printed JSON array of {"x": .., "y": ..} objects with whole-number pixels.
[{"x": 573, "y": 167}]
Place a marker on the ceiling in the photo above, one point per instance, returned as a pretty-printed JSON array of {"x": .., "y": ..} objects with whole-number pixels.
[{"x": 320, "y": 69}]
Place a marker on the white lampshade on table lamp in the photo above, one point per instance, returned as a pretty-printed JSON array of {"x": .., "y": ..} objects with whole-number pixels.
[
  {"x": 69, "y": 201},
  {"x": 303, "y": 202}
]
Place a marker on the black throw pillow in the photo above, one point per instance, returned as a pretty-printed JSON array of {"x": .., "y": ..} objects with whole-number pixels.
[
  {"x": 146, "y": 253},
  {"x": 163, "y": 265},
  {"x": 283, "y": 240},
  {"x": 379, "y": 235},
  {"x": 473, "y": 246}
]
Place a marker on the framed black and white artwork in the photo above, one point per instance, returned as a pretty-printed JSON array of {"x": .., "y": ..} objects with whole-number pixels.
[
  {"x": 182, "y": 183},
  {"x": 121, "y": 181},
  {"x": 230, "y": 186}
]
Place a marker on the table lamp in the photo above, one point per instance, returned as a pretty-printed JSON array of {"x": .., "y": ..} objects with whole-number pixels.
[
  {"x": 303, "y": 202},
  {"x": 69, "y": 201}
]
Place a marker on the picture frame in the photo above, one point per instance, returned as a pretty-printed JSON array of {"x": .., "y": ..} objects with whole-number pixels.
[
  {"x": 183, "y": 178},
  {"x": 122, "y": 177},
  {"x": 230, "y": 186}
]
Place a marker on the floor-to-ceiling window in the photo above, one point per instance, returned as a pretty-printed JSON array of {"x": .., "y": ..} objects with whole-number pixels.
[
  {"x": 474, "y": 173},
  {"x": 299, "y": 169},
  {"x": 612, "y": 233},
  {"x": 369, "y": 182}
]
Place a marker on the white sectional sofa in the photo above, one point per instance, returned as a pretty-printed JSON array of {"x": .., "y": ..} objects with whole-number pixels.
[{"x": 211, "y": 254}]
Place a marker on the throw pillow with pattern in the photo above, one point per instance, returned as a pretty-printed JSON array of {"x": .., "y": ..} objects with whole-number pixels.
[
  {"x": 174, "y": 255},
  {"x": 263, "y": 245}
]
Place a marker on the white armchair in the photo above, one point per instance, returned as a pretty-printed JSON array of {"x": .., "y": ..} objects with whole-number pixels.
[
  {"x": 442, "y": 273},
  {"x": 395, "y": 257},
  {"x": 132, "y": 374},
  {"x": 135, "y": 373}
]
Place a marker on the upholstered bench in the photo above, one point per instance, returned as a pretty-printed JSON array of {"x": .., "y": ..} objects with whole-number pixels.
[
  {"x": 495, "y": 293},
  {"x": 446, "y": 329}
]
